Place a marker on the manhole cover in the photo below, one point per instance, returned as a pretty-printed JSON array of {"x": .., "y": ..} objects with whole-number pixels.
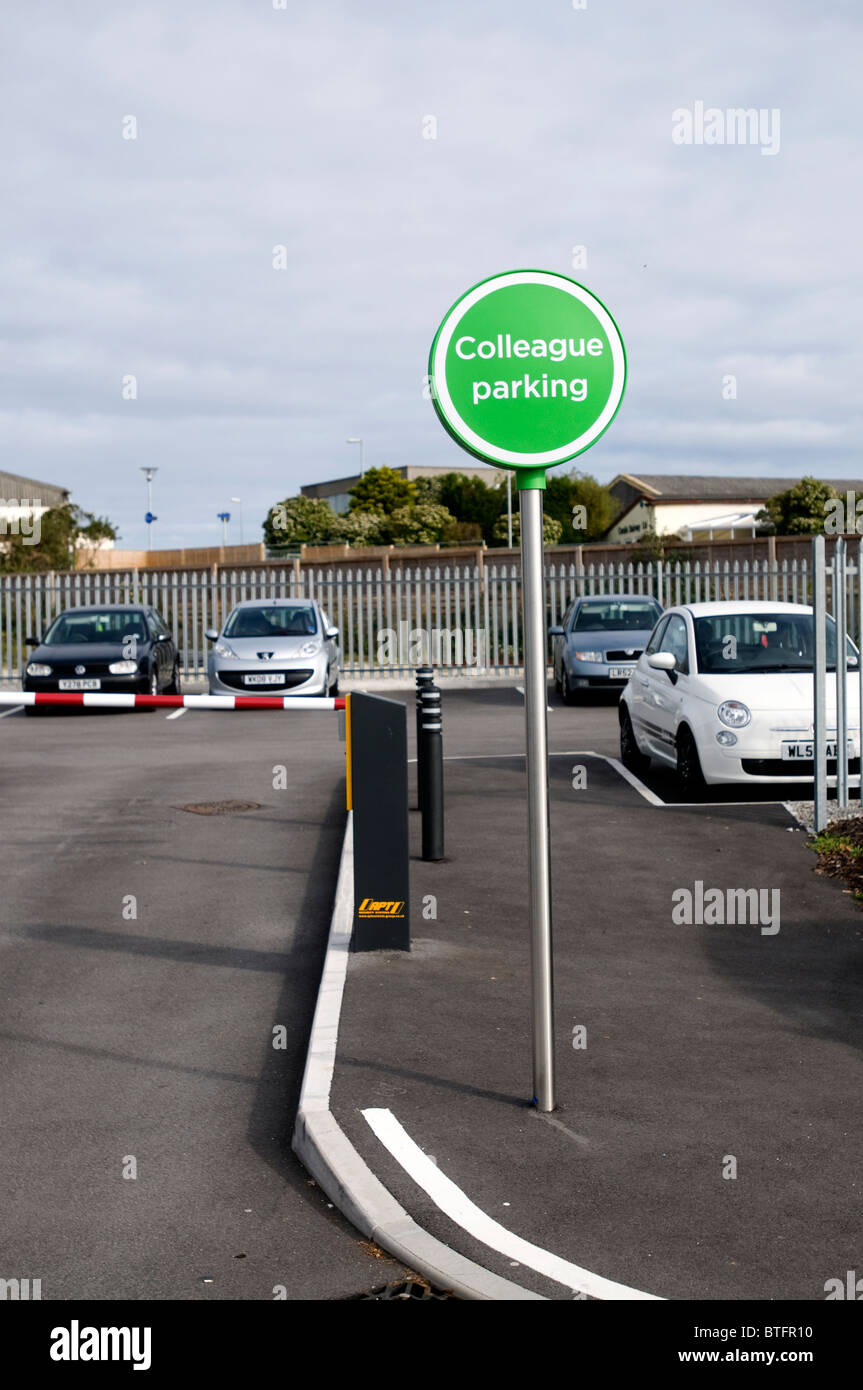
[
  {"x": 408, "y": 1288},
  {"x": 219, "y": 808}
]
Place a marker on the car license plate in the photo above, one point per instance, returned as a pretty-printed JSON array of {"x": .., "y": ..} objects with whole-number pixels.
[
  {"x": 805, "y": 752},
  {"x": 80, "y": 685},
  {"x": 620, "y": 673},
  {"x": 265, "y": 678}
]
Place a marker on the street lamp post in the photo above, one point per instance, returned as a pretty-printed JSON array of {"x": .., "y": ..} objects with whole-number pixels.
[
  {"x": 150, "y": 518},
  {"x": 224, "y": 517},
  {"x": 355, "y": 440},
  {"x": 239, "y": 502}
]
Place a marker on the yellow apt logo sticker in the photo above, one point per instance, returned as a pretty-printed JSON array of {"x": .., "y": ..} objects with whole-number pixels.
[{"x": 370, "y": 907}]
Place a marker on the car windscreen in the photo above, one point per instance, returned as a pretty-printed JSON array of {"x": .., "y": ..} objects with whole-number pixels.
[
  {"x": 730, "y": 643},
  {"x": 615, "y": 615},
  {"x": 90, "y": 628},
  {"x": 278, "y": 620}
]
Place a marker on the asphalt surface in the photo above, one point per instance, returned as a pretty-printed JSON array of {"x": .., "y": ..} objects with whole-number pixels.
[
  {"x": 704, "y": 1043},
  {"x": 151, "y": 1038}
]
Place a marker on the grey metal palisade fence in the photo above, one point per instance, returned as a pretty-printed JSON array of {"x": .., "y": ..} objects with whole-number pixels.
[{"x": 362, "y": 603}]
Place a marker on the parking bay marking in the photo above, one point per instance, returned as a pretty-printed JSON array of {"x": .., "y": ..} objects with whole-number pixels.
[
  {"x": 175, "y": 714},
  {"x": 16, "y": 709},
  {"x": 624, "y": 772},
  {"x": 519, "y": 690},
  {"x": 459, "y": 1208}
]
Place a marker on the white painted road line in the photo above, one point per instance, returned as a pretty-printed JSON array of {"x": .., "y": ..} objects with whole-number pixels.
[
  {"x": 520, "y": 691},
  {"x": 178, "y": 713},
  {"x": 7, "y": 712},
  {"x": 459, "y": 1208}
]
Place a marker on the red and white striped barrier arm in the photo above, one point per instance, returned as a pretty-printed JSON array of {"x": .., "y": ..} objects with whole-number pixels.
[{"x": 99, "y": 700}]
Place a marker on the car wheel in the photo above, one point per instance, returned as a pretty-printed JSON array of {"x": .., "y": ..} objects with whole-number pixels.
[
  {"x": 689, "y": 773},
  {"x": 334, "y": 688},
  {"x": 33, "y": 711},
  {"x": 630, "y": 754},
  {"x": 557, "y": 685},
  {"x": 154, "y": 683},
  {"x": 174, "y": 687},
  {"x": 569, "y": 695}
]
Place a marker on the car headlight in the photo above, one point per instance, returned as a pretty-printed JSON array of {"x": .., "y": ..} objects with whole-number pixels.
[
  {"x": 222, "y": 649},
  {"x": 123, "y": 668},
  {"x": 36, "y": 669},
  {"x": 310, "y": 649},
  {"x": 588, "y": 656},
  {"x": 734, "y": 714}
]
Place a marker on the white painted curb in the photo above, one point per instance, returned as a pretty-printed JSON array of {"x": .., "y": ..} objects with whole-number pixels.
[{"x": 323, "y": 1147}]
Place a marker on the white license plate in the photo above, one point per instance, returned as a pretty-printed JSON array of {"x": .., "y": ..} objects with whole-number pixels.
[
  {"x": 805, "y": 752},
  {"x": 268, "y": 678},
  {"x": 620, "y": 673},
  {"x": 80, "y": 685}
]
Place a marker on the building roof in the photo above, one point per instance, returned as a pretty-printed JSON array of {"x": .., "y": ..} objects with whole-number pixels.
[
  {"x": 31, "y": 490},
  {"x": 685, "y": 487}
]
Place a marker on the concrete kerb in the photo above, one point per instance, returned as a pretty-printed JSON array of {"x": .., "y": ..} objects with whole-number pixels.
[{"x": 322, "y": 1146}]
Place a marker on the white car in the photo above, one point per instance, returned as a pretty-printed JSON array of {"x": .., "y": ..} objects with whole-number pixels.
[
  {"x": 276, "y": 646},
  {"x": 723, "y": 693}
]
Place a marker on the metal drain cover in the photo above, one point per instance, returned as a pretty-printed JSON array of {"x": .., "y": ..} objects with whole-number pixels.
[
  {"x": 408, "y": 1288},
  {"x": 219, "y": 808}
]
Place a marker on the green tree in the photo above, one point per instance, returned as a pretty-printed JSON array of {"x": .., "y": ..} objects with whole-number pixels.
[
  {"x": 53, "y": 540},
  {"x": 800, "y": 511},
  {"x": 470, "y": 500},
  {"x": 299, "y": 521},
  {"x": 359, "y": 528},
  {"x": 598, "y": 507},
  {"x": 424, "y": 524},
  {"x": 382, "y": 490},
  {"x": 551, "y": 529}
]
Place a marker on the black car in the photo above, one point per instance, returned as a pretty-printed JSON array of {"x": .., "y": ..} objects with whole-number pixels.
[{"x": 111, "y": 648}]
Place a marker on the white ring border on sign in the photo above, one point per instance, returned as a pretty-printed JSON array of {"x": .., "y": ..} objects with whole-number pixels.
[{"x": 481, "y": 291}]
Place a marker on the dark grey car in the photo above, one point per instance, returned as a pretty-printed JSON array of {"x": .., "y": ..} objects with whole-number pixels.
[{"x": 599, "y": 641}]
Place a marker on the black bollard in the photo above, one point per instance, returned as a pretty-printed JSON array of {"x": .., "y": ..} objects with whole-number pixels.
[
  {"x": 431, "y": 758},
  {"x": 425, "y": 678}
]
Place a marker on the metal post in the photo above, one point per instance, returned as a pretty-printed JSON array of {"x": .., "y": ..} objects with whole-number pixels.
[
  {"x": 819, "y": 677},
  {"x": 841, "y": 673},
  {"x": 425, "y": 678},
  {"x": 539, "y": 858},
  {"x": 509, "y": 509},
  {"x": 860, "y": 665},
  {"x": 431, "y": 803}
]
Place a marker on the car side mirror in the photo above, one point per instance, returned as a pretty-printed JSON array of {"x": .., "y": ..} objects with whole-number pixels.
[
  {"x": 555, "y": 631},
  {"x": 331, "y": 632},
  {"x": 211, "y": 634},
  {"x": 32, "y": 641},
  {"x": 661, "y": 661}
]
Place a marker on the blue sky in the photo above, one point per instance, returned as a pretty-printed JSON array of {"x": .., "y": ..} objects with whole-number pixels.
[{"x": 303, "y": 127}]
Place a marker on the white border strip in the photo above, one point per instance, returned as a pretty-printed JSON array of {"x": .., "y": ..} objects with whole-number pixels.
[
  {"x": 459, "y": 1208},
  {"x": 322, "y": 1146}
]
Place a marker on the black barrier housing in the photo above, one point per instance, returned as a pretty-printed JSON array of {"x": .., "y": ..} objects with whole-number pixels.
[{"x": 379, "y": 796}]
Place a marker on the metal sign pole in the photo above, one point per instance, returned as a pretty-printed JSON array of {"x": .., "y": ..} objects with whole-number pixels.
[
  {"x": 539, "y": 842},
  {"x": 819, "y": 677},
  {"x": 841, "y": 673}
]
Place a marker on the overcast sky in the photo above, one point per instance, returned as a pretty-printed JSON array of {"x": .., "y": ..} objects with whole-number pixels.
[{"x": 304, "y": 127}]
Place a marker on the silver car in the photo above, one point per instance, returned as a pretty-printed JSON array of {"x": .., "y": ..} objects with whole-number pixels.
[
  {"x": 599, "y": 641},
  {"x": 277, "y": 645}
]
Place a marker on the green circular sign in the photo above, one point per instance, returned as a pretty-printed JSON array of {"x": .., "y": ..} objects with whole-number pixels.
[{"x": 527, "y": 370}]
